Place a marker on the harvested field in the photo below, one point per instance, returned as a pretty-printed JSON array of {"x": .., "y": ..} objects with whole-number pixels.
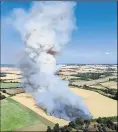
[
  {"x": 15, "y": 115},
  {"x": 98, "y": 105},
  {"x": 110, "y": 84}
]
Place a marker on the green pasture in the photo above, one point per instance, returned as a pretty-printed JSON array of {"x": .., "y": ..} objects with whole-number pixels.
[
  {"x": 15, "y": 116},
  {"x": 9, "y": 85}
]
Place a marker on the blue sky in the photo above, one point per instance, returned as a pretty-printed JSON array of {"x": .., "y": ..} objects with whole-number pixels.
[{"x": 95, "y": 40}]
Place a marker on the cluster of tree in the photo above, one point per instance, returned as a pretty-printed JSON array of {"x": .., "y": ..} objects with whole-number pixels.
[
  {"x": 2, "y": 96},
  {"x": 107, "y": 123},
  {"x": 4, "y": 91},
  {"x": 14, "y": 82},
  {"x": 10, "y": 87},
  {"x": 110, "y": 91},
  {"x": 113, "y": 79},
  {"x": 3, "y": 80},
  {"x": 100, "y": 125},
  {"x": 109, "y": 69},
  {"x": 78, "y": 124},
  {"x": 92, "y": 75},
  {"x": 74, "y": 85},
  {"x": 116, "y": 96},
  {"x": 74, "y": 79}
]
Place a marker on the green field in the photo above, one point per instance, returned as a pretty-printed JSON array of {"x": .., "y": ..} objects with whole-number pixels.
[
  {"x": 9, "y": 85},
  {"x": 15, "y": 116}
]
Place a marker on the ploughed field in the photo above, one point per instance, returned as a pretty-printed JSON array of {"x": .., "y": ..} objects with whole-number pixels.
[{"x": 15, "y": 116}]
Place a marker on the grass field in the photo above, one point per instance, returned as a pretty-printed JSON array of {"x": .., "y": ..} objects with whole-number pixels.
[
  {"x": 14, "y": 115},
  {"x": 9, "y": 85}
]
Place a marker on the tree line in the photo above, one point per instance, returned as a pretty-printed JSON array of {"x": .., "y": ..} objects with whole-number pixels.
[{"x": 100, "y": 125}]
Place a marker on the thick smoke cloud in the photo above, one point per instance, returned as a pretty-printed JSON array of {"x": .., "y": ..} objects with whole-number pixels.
[{"x": 45, "y": 29}]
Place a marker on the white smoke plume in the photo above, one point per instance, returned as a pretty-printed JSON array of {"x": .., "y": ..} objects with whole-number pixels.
[{"x": 45, "y": 29}]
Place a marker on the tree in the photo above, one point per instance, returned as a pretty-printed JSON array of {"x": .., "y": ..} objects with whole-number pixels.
[
  {"x": 116, "y": 95},
  {"x": 49, "y": 129},
  {"x": 68, "y": 129},
  {"x": 65, "y": 129},
  {"x": 79, "y": 121},
  {"x": 100, "y": 128},
  {"x": 116, "y": 127},
  {"x": 99, "y": 120},
  {"x": 109, "y": 122},
  {"x": 104, "y": 129},
  {"x": 4, "y": 91},
  {"x": 87, "y": 122},
  {"x": 86, "y": 130},
  {"x": 95, "y": 126},
  {"x": 72, "y": 124},
  {"x": 56, "y": 128},
  {"x": 2, "y": 97},
  {"x": 109, "y": 126},
  {"x": 85, "y": 86},
  {"x": 113, "y": 127}
]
